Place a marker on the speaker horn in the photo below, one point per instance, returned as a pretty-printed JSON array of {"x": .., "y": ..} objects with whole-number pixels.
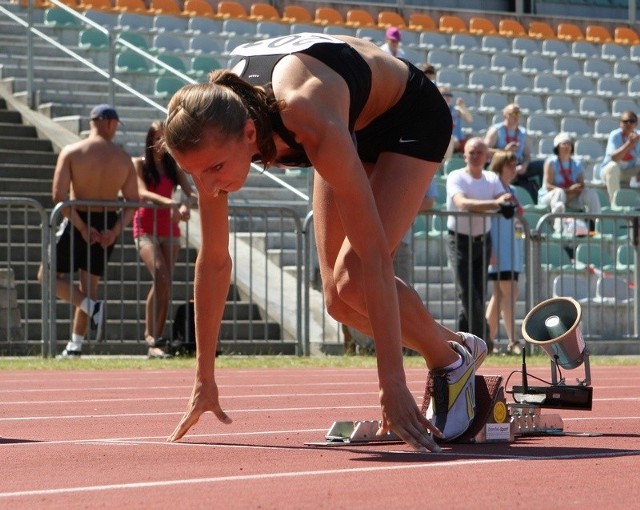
[{"x": 554, "y": 325}]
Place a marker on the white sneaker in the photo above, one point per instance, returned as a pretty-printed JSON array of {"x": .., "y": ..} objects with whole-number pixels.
[
  {"x": 476, "y": 346},
  {"x": 453, "y": 396},
  {"x": 71, "y": 351},
  {"x": 97, "y": 318}
]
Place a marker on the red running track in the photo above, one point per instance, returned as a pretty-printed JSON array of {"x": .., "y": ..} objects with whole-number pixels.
[{"x": 83, "y": 439}]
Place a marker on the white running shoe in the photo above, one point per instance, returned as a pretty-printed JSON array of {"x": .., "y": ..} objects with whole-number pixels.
[
  {"x": 71, "y": 351},
  {"x": 97, "y": 318},
  {"x": 453, "y": 396},
  {"x": 476, "y": 346}
]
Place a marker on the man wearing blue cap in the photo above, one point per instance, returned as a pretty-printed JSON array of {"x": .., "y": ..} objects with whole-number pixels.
[{"x": 91, "y": 169}]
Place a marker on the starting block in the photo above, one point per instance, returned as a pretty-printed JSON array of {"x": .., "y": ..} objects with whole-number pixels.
[{"x": 491, "y": 424}]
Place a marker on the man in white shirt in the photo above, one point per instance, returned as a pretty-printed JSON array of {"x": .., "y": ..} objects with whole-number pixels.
[{"x": 392, "y": 43}]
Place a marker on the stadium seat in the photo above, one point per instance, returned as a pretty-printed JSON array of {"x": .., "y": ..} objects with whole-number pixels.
[
  {"x": 540, "y": 124},
  {"x": 131, "y": 6},
  {"x": 433, "y": 40},
  {"x": 529, "y": 103},
  {"x": 609, "y": 229},
  {"x": 625, "y": 69},
  {"x": 231, "y": 9},
  {"x": 584, "y": 49},
  {"x": 451, "y": 24},
  {"x": 559, "y": 104},
  {"x": 169, "y": 43},
  {"x": 165, "y": 86},
  {"x": 375, "y": 34},
  {"x": 170, "y": 23},
  {"x": 391, "y": 18},
  {"x": 492, "y": 102},
  {"x": 535, "y": 64},
  {"x": 515, "y": 81},
  {"x": 577, "y": 127},
  {"x": 202, "y": 65},
  {"x": 173, "y": 61},
  {"x": 106, "y": 19},
  {"x": 597, "y": 34},
  {"x": 610, "y": 86},
  {"x": 93, "y": 39},
  {"x": 593, "y": 107},
  {"x": 360, "y": 18},
  {"x": 203, "y": 44},
  {"x": 328, "y": 16},
  {"x": 99, "y": 5},
  {"x": 625, "y": 258},
  {"x": 633, "y": 87},
  {"x": 503, "y": 62},
  {"x": 495, "y": 44},
  {"x": 625, "y": 35},
  {"x": 614, "y": 290},
  {"x": 238, "y": 27},
  {"x": 596, "y": 67},
  {"x": 555, "y": 48},
  {"x": 266, "y": 29},
  {"x": 569, "y": 32},
  {"x": 200, "y": 8},
  {"x": 264, "y": 12},
  {"x": 442, "y": 59},
  {"x": 603, "y": 127},
  {"x": 452, "y": 78},
  {"x": 614, "y": 51},
  {"x": 511, "y": 28},
  {"x": 340, "y": 30},
  {"x": 422, "y": 22},
  {"x": 579, "y": 85},
  {"x": 547, "y": 83},
  {"x": 525, "y": 46},
  {"x": 59, "y": 18},
  {"x": 625, "y": 199},
  {"x": 484, "y": 79},
  {"x": 132, "y": 21},
  {"x": 464, "y": 42},
  {"x": 571, "y": 285},
  {"x": 470, "y": 60},
  {"x": 204, "y": 25},
  {"x": 553, "y": 257},
  {"x": 128, "y": 61},
  {"x": 166, "y": 7},
  {"x": 593, "y": 254},
  {"x": 481, "y": 26},
  {"x": 545, "y": 147},
  {"x": 621, "y": 105},
  {"x": 135, "y": 39},
  {"x": 541, "y": 30},
  {"x": 564, "y": 66}
]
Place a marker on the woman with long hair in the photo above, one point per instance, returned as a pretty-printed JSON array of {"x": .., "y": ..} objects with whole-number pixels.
[{"x": 156, "y": 230}]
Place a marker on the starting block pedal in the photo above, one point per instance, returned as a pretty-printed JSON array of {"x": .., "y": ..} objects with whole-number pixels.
[{"x": 356, "y": 433}]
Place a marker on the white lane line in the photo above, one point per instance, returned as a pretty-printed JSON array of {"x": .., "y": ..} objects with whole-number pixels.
[{"x": 419, "y": 465}]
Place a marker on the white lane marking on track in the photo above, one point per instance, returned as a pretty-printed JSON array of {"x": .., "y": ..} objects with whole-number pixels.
[{"x": 300, "y": 474}]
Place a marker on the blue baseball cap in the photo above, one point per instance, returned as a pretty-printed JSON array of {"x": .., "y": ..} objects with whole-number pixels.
[{"x": 104, "y": 112}]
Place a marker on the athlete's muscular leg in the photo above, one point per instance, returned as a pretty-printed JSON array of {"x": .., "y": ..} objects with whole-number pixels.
[{"x": 398, "y": 183}]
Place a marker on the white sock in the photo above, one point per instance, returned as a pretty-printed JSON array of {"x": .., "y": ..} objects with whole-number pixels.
[{"x": 87, "y": 306}]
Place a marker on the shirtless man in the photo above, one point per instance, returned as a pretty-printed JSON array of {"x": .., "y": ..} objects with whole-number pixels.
[{"x": 92, "y": 169}]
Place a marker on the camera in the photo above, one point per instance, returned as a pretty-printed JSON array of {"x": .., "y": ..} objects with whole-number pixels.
[{"x": 507, "y": 209}]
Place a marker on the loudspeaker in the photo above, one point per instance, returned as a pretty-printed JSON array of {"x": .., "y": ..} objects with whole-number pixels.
[{"x": 554, "y": 325}]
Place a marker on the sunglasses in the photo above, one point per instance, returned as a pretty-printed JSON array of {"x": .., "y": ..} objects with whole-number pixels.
[{"x": 628, "y": 121}]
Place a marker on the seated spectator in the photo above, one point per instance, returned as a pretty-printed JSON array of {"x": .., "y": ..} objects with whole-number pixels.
[
  {"x": 430, "y": 71},
  {"x": 563, "y": 184},
  {"x": 459, "y": 112},
  {"x": 392, "y": 43},
  {"x": 510, "y": 136},
  {"x": 620, "y": 162}
]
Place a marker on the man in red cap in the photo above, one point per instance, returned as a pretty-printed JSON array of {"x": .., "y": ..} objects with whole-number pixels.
[{"x": 392, "y": 44}]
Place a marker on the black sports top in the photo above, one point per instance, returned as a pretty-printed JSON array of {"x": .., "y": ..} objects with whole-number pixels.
[{"x": 261, "y": 57}]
